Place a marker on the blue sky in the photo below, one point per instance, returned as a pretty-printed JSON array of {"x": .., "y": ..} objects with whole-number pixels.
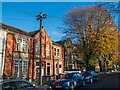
[
  {"x": 60, "y": 0},
  {"x": 23, "y": 15}
]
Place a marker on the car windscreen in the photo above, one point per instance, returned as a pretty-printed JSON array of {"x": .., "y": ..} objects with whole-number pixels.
[
  {"x": 69, "y": 76},
  {"x": 86, "y": 74},
  {"x": 73, "y": 70},
  {"x": 24, "y": 84}
]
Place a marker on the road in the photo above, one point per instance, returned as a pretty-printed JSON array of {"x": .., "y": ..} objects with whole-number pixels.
[{"x": 109, "y": 80}]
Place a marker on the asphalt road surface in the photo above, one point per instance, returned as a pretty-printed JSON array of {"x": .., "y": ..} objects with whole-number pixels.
[{"x": 106, "y": 81}]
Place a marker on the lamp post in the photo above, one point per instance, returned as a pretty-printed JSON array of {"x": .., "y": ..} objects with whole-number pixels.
[{"x": 40, "y": 17}]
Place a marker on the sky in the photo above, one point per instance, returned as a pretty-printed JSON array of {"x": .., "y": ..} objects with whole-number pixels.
[
  {"x": 60, "y": 0},
  {"x": 22, "y": 15}
]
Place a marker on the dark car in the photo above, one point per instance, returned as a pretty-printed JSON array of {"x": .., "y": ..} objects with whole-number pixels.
[
  {"x": 111, "y": 69},
  {"x": 15, "y": 85},
  {"x": 90, "y": 76},
  {"x": 69, "y": 81}
]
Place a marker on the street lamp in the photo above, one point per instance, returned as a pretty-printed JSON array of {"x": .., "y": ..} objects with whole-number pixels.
[{"x": 40, "y": 17}]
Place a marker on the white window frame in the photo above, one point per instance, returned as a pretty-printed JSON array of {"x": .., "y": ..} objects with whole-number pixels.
[
  {"x": 20, "y": 67},
  {"x": 58, "y": 52},
  {"x": 38, "y": 47},
  {"x": 60, "y": 69},
  {"x": 23, "y": 43},
  {"x": 56, "y": 68},
  {"x": 37, "y": 71},
  {"x": 48, "y": 66},
  {"x": 55, "y": 51},
  {"x": 47, "y": 50},
  {"x": 19, "y": 41},
  {"x": 60, "y": 63}
]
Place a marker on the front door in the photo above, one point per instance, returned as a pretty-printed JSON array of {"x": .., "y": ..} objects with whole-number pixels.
[
  {"x": 60, "y": 67},
  {"x": 42, "y": 71},
  {"x": 48, "y": 69},
  {"x": 56, "y": 68}
]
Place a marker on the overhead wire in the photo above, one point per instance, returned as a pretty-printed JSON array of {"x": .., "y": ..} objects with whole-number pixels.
[
  {"x": 31, "y": 20},
  {"x": 32, "y": 15},
  {"x": 20, "y": 11},
  {"x": 52, "y": 21}
]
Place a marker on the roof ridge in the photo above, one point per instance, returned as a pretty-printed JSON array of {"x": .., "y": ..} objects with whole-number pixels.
[
  {"x": 14, "y": 29},
  {"x": 32, "y": 33}
]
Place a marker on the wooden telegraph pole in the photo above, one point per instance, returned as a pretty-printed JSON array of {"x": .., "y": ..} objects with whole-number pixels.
[{"x": 40, "y": 17}]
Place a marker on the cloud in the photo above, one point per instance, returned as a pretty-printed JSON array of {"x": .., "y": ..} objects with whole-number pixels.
[
  {"x": 55, "y": 33},
  {"x": 56, "y": 36}
]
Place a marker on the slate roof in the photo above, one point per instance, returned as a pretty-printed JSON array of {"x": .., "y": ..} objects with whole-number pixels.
[
  {"x": 13, "y": 29},
  {"x": 55, "y": 43},
  {"x": 60, "y": 42},
  {"x": 33, "y": 33}
]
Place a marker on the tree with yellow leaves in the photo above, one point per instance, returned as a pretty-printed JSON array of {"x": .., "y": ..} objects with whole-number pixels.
[{"x": 93, "y": 28}]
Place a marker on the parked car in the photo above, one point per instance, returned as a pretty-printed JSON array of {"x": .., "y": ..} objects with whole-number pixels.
[
  {"x": 90, "y": 76},
  {"x": 111, "y": 69},
  {"x": 15, "y": 85},
  {"x": 69, "y": 81},
  {"x": 72, "y": 71}
]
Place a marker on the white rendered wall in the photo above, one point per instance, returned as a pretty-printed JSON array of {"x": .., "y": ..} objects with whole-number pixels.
[{"x": 2, "y": 50}]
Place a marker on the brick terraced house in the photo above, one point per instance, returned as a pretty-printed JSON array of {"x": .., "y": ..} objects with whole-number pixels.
[
  {"x": 58, "y": 58},
  {"x": 22, "y": 54}
]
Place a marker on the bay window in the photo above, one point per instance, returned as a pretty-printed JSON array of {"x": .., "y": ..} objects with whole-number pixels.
[{"x": 22, "y": 45}]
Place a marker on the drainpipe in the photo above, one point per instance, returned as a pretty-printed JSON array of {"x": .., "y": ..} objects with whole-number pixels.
[{"x": 12, "y": 63}]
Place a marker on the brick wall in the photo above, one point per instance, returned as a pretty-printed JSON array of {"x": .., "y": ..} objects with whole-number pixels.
[
  {"x": 58, "y": 59},
  {"x": 11, "y": 49},
  {"x": 10, "y": 46},
  {"x": 47, "y": 54}
]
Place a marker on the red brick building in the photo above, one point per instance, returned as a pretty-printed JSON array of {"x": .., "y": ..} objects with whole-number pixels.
[
  {"x": 58, "y": 58},
  {"x": 22, "y": 54}
]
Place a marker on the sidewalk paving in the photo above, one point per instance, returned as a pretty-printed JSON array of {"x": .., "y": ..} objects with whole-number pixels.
[{"x": 108, "y": 72}]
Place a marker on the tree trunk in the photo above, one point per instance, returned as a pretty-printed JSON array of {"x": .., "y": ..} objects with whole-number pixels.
[
  {"x": 100, "y": 65},
  {"x": 89, "y": 61}
]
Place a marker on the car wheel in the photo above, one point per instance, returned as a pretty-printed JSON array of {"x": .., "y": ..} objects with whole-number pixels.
[
  {"x": 72, "y": 86},
  {"x": 96, "y": 78},
  {"x": 75, "y": 83},
  {"x": 91, "y": 80},
  {"x": 83, "y": 83}
]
